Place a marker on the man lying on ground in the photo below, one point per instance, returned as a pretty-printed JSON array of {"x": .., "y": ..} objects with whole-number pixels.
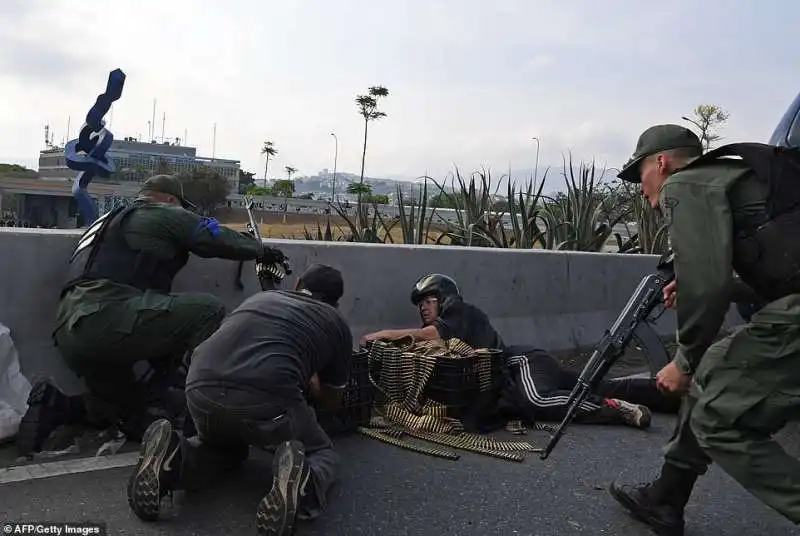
[
  {"x": 247, "y": 385},
  {"x": 535, "y": 386}
]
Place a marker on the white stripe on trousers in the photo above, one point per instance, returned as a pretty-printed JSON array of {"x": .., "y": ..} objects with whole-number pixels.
[{"x": 532, "y": 394}]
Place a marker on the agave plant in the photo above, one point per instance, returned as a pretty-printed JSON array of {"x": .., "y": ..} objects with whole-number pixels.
[
  {"x": 580, "y": 220},
  {"x": 321, "y": 236},
  {"x": 525, "y": 212},
  {"x": 414, "y": 220},
  {"x": 362, "y": 227},
  {"x": 477, "y": 223}
]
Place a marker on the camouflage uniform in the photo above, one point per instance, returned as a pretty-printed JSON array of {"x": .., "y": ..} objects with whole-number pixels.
[
  {"x": 117, "y": 307},
  {"x": 746, "y": 386}
]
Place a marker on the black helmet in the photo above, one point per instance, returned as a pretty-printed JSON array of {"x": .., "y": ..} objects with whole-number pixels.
[{"x": 441, "y": 286}]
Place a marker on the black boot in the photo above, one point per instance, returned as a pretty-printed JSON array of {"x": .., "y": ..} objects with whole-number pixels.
[
  {"x": 659, "y": 504},
  {"x": 48, "y": 408},
  {"x": 158, "y": 471}
]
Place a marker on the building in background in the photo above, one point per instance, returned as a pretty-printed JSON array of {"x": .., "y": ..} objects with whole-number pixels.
[
  {"x": 46, "y": 200},
  {"x": 136, "y": 161}
]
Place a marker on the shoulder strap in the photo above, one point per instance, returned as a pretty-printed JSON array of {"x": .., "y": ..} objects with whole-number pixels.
[
  {"x": 778, "y": 167},
  {"x": 98, "y": 229}
]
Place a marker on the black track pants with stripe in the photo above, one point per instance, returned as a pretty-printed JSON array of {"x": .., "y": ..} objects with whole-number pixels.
[{"x": 537, "y": 389}]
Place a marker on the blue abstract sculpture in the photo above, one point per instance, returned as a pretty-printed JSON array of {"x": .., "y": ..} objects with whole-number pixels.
[{"x": 87, "y": 153}]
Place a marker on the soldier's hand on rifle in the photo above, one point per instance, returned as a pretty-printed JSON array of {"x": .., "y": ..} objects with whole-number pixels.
[
  {"x": 670, "y": 293},
  {"x": 272, "y": 256}
]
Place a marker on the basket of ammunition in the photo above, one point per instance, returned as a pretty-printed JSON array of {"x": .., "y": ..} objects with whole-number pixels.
[
  {"x": 459, "y": 380},
  {"x": 357, "y": 401}
]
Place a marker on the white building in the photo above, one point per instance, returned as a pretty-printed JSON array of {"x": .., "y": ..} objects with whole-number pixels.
[{"x": 136, "y": 161}]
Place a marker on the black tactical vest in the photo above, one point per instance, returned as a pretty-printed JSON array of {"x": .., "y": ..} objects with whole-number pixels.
[
  {"x": 103, "y": 253},
  {"x": 766, "y": 248}
]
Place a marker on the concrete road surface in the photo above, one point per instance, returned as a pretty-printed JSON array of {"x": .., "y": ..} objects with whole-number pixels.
[{"x": 388, "y": 491}]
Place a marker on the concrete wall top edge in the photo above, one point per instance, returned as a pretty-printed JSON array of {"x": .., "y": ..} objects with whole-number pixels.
[{"x": 318, "y": 243}]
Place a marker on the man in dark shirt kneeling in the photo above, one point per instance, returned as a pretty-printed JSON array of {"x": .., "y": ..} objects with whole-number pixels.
[{"x": 247, "y": 385}]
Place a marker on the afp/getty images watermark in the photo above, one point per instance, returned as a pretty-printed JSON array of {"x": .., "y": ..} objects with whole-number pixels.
[{"x": 55, "y": 529}]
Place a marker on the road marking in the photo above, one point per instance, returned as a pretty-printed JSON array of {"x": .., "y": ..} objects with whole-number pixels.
[{"x": 66, "y": 467}]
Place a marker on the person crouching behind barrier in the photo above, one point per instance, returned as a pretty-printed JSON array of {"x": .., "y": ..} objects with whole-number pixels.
[
  {"x": 247, "y": 385},
  {"x": 535, "y": 386}
]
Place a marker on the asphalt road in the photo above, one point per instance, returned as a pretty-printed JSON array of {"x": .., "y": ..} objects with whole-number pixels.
[{"x": 388, "y": 491}]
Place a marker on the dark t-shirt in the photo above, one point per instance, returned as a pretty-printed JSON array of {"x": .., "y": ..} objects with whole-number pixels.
[
  {"x": 274, "y": 342},
  {"x": 466, "y": 322}
]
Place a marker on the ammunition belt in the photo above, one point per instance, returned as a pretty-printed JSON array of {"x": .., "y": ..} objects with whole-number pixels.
[
  {"x": 406, "y": 368},
  {"x": 382, "y": 436}
]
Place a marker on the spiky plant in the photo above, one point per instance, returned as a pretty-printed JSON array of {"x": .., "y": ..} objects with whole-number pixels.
[{"x": 580, "y": 220}]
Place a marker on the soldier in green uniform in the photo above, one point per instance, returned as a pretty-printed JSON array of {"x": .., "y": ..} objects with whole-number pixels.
[
  {"x": 116, "y": 307},
  {"x": 742, "y": 389}
]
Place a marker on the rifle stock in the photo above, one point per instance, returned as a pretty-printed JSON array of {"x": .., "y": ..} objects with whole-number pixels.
[{"x": 634, "y": 316}]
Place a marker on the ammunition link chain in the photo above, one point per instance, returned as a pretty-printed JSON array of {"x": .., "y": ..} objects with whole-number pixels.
[
  {"x": 466, "y": 443},
  {"x": 406, "y": 368},
  {"x": 389, "y": 439}
]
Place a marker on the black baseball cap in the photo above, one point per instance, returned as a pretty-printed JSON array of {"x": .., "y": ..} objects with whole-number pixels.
[
  {"x": 324, "y": 282},
  {"x": 657, "y": 139}
]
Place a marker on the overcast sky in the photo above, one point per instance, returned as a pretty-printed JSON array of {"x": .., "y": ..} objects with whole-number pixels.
[{"x": 470, "y": 81}]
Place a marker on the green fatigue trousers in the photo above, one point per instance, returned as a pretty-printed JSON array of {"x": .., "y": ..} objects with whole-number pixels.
[
  {"x": 103, "y": 345},
  {"x": 746, "y": 388}
]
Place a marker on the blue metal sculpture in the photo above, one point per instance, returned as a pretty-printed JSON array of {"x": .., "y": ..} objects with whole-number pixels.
[{"x": 87, "y": 153}]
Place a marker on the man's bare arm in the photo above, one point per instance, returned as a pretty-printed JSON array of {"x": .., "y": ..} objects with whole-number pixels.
[{"x": 427, "y": 333}]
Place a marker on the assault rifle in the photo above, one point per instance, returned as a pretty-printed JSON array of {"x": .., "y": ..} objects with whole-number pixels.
[
  {"x": 271, "y": 274},
  {"x": 633, "y": 322}
]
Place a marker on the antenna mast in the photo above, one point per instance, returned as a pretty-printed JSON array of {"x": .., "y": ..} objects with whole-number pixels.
[
  {"x": 214, "y": 143},
  {"x": 153, "y": 122}
]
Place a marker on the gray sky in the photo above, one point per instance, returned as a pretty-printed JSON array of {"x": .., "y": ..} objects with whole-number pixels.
[{"x": 470, "y": 81}]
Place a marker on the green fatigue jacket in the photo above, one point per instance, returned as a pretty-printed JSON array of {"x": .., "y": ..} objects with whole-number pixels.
[
  {"x": 703, "y": 207},
  {"x": 163, "y": 230}
]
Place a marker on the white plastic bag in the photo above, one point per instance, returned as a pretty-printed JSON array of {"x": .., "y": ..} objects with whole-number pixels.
[{"x": 14, "y": 387}]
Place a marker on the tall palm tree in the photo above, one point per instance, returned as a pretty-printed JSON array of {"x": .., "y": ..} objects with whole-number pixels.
[
  {"x": 368, "y": 108},
  {"x": 267, "y": 149},
  {"x": 290, "y": 171}
]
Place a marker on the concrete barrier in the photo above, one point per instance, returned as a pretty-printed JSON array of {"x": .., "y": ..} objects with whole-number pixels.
[{"x": 555, "y": 300}]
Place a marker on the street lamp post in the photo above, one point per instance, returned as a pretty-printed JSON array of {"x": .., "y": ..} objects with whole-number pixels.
[
  {"x": 335, "y": 158},
  {"x": 536, "y": 168}
]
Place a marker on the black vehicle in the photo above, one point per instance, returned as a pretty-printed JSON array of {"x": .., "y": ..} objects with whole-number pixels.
[{"x": 787, "y": 133}]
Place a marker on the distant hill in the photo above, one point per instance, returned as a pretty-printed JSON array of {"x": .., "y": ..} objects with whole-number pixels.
[
  {"x": 322, "y": 182},
  {"x": 15, "y": 170}
]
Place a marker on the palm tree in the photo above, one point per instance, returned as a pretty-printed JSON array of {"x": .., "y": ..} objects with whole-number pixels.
[
  {"x": 285, "y": 187},
  {"x": 290, "y": 171},
  {"x": 359, "y": 189},
  {"x": 269, "y": 150},
  {"x": 368, "y": 108}
]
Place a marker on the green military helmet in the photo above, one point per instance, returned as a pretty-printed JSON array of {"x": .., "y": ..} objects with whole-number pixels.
[
  {"x": 657, "y": 139},
  {"x": 168, "y": 184}
]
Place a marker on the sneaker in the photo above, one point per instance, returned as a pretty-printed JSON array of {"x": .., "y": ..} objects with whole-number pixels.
[
  {"x": 276, "y": 513},
  {"x": 48, "y": 408},
  {"x": 159, "y": 465},
  {"x": 640, "y": 502},
  {"x": 633, "y": 414}
]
